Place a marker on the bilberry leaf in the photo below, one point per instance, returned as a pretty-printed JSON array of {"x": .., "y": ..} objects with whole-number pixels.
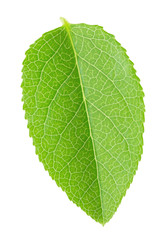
[{"x": 85, "y": 111}]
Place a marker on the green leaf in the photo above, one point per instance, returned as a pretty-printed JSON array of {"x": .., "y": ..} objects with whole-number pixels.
[{"x": 85, "y": 112}]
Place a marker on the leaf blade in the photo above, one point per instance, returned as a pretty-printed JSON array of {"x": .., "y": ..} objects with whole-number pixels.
[{"x": 72, "y": 109}]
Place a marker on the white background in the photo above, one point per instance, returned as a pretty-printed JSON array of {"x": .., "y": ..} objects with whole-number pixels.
[{"x": 32, "y": 207}]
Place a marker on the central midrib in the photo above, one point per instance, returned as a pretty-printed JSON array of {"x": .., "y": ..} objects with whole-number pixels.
[{"x": 67, "y": 27}]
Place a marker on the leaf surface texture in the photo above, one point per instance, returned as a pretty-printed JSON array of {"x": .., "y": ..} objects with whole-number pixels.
[{"x": 85, "y": 112}]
